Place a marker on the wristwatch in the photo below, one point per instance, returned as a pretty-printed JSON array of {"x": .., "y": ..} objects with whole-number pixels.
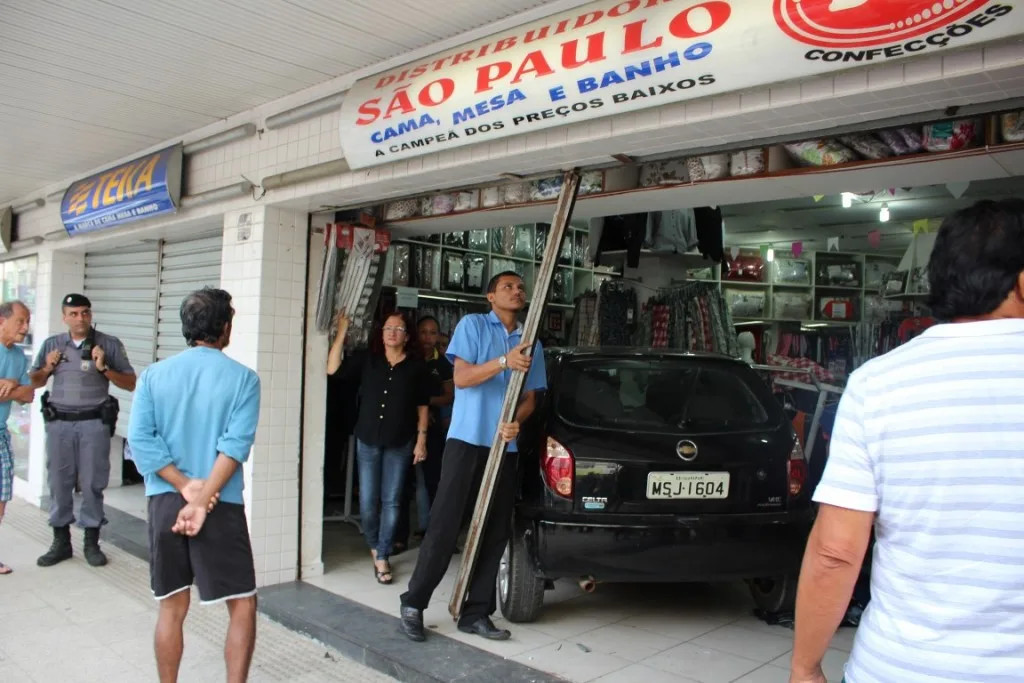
[{"x": 503, "y": 362}]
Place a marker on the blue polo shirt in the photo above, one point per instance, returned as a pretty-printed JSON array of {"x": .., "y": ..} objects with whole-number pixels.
[{"x": 480, "y": 338}]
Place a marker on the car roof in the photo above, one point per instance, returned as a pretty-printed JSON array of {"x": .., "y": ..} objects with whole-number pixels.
[{"x": 638, "y": 352}]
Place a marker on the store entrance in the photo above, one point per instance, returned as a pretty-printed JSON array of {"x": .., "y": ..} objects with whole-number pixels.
[{"x": 807, "y": 278}]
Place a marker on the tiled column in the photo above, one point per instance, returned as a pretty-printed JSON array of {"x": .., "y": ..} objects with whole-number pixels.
[
  {"x": 264, "y": 269},
  {"x": 58, "y": 273}
]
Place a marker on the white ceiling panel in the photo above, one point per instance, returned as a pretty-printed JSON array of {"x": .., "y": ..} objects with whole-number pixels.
[{"x": 85, "y": 83}]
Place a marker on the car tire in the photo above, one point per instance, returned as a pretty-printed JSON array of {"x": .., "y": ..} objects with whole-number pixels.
[
  {"x": 520, "y": 591},
  {"x": 774, "y": 594}
]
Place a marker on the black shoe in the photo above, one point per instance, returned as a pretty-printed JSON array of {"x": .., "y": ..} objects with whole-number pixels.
[
  {"x": 485, "y": 628},
  {"x": 93, "y": 555},
  {"x": 411, "y": 624},
  {"x": 60, "y": 549}
]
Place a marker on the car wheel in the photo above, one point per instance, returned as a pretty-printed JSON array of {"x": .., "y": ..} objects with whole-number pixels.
[
  {"x": 774, "y": 594},
  {"x": 520, "y": 591}
]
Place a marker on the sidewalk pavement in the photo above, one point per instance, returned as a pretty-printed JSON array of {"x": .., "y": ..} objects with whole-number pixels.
[{"x": 75, "y": 623}]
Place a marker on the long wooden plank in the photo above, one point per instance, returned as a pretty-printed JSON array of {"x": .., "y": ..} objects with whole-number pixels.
[{"x": 563, "y": 215}]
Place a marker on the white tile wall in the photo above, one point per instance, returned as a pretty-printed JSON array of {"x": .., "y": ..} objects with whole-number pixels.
[{"x": 266, "y": 275}]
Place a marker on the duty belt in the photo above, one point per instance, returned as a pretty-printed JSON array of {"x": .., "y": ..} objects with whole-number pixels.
[{"x": 80, "y": 416}]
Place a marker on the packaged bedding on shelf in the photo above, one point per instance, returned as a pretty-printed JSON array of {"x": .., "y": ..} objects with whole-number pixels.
[
  {"x": 747, "y": 162},
  {"x": 400, "y": 265},
  {"x": 491, "y": 197},
  {"x": 437, "y": 205},
  {"x": 746, "y": 303},
  {"x": 467, "y": 200},
  {"x": 791, "y": 305},
  {"x": 516, "y": 193},
  {"x": 656, "y": 173},
  {"x": 545, "y": 189},
  {"x": 592, "y": 182},
  {"x": 951, "y": 135},
  {"x": 1011, "y": 125},
  {"x": 478, "y": 240},
  {"x": 403, "y": 208},
  {"x": 708, "y": 167},
  {"x": 902, "y": 140},
  {"x": 821, "y": 153},
  {"x": 791, "y": 271},
  {"x": 866, "y": 145},
  {"x": 837, "y": 308}
]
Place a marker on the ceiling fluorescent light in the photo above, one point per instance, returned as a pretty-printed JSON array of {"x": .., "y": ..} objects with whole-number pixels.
[
  {"x": 221, "y": 193},
  {"x": 315, "y": 172},
  {"x": 883, "y": 215},
  {"x": 220, "y": 139},
  {"x": 771, "y": 255},
  {"x": 847, "y": 200},
  {"x": 304, "y": 112},
  {"x": 28, "y": 206}
]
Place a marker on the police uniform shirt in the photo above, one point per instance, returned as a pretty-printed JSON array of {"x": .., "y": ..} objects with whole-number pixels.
[{"x": 77, "y": 384}]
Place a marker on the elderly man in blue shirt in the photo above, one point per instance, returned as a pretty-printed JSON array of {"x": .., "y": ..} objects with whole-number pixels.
[
  {"x": 485, "y": 350},
  {"x": 192, "y": 426}
]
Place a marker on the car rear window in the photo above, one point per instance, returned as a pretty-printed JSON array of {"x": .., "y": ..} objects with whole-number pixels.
[{"x": 664, "y": 395}]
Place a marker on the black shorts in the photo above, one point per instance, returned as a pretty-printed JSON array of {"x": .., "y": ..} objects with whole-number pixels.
[{"x": 218, "y": 560}]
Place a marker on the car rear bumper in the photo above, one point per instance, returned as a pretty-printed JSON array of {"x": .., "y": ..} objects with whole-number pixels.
[{"x": 706, "y": 548}]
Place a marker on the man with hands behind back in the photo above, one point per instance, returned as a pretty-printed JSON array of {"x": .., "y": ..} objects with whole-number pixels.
[
  {"x": 193, "y": 423},
  {"x": 485, "y": 350}
]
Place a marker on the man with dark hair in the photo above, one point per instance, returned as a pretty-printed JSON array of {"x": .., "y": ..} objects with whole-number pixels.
[
  {"x": 485, "y": 350},
  {"x": 80, "y": 418},
  {"x": 15, "y": 385},
  {"x": 927, "y": 449},
  {"x": 192, "y": 426}
]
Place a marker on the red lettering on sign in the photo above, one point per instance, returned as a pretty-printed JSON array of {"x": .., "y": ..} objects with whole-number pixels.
[
  {"x": 587, "y": 19},
  {"x": 535, "y": 63},
  {"x": 427, "y": 98},
  {"x": 533, "y": 34},
  {"x": 505, "y": 43},
  {"x": 633, "y": 40},
  {"x": 370, "y": 111},
  {"x": 461, "y": 57},
  {"x": 400, "y": 102},
  {"x": 486, "y": 75},
  {"x": 595, "y": 51},
  {"x": 855, "y": 24},
  {"x": 623, "y": 8},
  {"x": 681, "y": 25}
]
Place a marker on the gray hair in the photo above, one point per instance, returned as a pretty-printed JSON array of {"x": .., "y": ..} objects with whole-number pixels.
[
  {"x": 205, "y": 313},
  {"x": 7, "y": 308}
]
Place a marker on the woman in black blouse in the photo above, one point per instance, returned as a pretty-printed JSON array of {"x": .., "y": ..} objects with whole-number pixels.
[{"x": 391, "y": 426}]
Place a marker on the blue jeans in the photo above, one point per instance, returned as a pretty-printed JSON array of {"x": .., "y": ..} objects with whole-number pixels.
[{"x": 381, "y": 481}]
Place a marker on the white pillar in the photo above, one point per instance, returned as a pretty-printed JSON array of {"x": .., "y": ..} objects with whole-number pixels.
[
  {"x": 264, "y": 269},
  {"x": 59, "y": 273}
]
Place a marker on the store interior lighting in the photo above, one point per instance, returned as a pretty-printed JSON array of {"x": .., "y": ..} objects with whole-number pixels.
[
  {"x": 770, "y": 255},
  {"x": 883, "y": 215},
  {"x": 847, "y": 200}
]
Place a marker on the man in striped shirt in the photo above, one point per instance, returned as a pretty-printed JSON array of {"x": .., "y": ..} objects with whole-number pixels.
[{"x": 928, "y": 447}]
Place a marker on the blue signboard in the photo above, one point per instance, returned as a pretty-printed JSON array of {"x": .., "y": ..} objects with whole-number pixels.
[{"x": 143, "y": 188}]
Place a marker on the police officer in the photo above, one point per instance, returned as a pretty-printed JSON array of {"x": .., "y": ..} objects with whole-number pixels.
[{"x": 80, "y": 416}]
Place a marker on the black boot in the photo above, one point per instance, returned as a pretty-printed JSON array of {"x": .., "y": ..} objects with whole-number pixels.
[
  {"x": 60, "y": 549},
  {"x": 93, "y": 555}
]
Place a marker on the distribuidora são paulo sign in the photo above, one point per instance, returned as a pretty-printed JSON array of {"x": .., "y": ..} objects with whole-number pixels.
[{"x": 611, "y": 57}]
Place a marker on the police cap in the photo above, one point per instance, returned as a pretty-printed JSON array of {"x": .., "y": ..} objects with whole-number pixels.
[{"x": 76, "y": 301}]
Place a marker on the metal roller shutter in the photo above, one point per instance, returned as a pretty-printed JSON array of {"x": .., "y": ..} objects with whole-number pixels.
[
  {"x": 185, "y": 266},
  {"x": 122, "y": 286}
]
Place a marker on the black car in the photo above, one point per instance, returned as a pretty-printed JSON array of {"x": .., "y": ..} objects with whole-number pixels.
[{"x": 656, "y": 466}]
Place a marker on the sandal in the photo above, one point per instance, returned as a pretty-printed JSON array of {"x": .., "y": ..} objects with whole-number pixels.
[
  {"x": 5, "y": 570},
  {"x": 382, "y": 573}
]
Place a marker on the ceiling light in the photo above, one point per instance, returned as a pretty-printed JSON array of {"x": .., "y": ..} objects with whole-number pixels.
[
  {"x": 847, "y": 200},
  {"x": 883, "y": 215},
  {"x": 771, "y": 255}
]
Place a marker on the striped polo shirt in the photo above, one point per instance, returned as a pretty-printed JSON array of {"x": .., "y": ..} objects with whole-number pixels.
[{"x": 930, "y": 437}]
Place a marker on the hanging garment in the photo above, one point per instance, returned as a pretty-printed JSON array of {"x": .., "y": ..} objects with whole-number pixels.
[
  {"x": 616, "y": 313},
  {"x": 710, "y": 235},
  {"x": 673, "y": 231},
  {"x": 623, "y": 233}
]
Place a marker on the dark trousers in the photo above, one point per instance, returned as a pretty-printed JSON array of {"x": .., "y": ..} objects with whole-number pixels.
[
  {"x": 431, "y": 468},
  {"x": 461, "y": 470}
]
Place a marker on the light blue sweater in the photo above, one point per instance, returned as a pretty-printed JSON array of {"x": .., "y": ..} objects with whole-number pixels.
[{"x": 189, "y": 408}]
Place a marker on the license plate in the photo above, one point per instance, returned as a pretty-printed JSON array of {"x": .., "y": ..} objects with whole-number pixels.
[{"x": 687, "y": 485}]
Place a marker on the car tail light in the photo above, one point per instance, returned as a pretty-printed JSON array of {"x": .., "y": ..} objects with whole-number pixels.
[
  {"x": 797, "y": 468},
  {"x": 559, "y": 468}
]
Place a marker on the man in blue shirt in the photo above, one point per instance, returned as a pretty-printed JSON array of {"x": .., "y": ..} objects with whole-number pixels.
[
  {"x": 193, "y": 423},
  {"x": 14, "y": 386},
  {"x": 485, "y": 350}
]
